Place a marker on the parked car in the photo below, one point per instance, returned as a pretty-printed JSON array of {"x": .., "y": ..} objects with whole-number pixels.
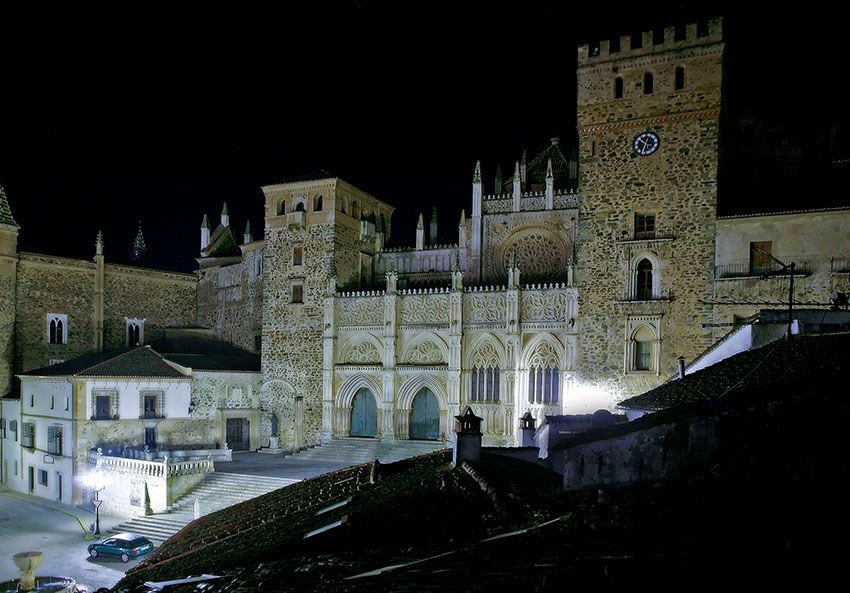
[{"x": 123, "y": 545}]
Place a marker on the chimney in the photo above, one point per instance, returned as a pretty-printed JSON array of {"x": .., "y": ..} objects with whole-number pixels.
[
  {"x": 681, "y": 360},
  {"x": 527, "y": 426},
  {"x": 468, "y": 438}
]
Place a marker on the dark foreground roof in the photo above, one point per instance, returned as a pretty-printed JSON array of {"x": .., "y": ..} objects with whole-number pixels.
[
  {"x": 128, "y": 362},
  {"x": 809, "y": 358},
  {"x": 201, "y": 351}
]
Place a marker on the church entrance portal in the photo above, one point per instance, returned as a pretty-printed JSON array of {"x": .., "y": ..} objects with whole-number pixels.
[
  {"x": 364, "y": 414},
  {"x": 425, "y": 416},
  {"x": 238, "y": 434}
]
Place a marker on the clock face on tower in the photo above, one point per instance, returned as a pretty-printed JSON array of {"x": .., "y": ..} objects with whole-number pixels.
[{"x": 646, "y": 143}]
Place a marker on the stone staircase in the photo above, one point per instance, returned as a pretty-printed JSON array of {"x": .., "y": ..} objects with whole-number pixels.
[
  {"x": 218, "y": 491},
  {"x": 354, "y": 451}
]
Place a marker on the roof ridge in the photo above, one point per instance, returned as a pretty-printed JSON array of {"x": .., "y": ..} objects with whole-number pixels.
[{"x": 110, "y": 359}]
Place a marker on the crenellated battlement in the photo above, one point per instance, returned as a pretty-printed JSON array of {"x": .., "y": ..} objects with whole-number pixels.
[
  {"x": 646, "y": 43},
  {"x": 411, "y": 248}
]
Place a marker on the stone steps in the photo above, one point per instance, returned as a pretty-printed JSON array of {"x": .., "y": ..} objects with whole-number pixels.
[
  {"x": 354, "y": 451},
  {"x": 218, "y": 491}
]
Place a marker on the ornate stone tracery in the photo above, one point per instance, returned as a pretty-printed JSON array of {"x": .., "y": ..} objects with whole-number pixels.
[
  {"x": 362, "y": 311},
  {"x": 425, "y": 309},
  {"x": 543, "y": 306}
]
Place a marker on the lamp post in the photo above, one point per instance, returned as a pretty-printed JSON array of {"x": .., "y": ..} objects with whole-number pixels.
[{"x": 96, "y": 482}]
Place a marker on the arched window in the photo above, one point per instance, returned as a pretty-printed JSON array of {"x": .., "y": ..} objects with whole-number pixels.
[
  {"x": 680, "y": 78},
  {"x": 643, "y": 350},
  {"x": 297, "y": 255},
  {"x": 648, "y": 83},
  {"x": 485, "y": 384},
  {"x": 299, "y": 207},
  {"x": 57, "y": 328},
  {"x": 543, "y": 384},
  {"x": 618, "y": 87},
  {"x": 281, "y": 208},
  {"x": 132, "y": 334},
  {"x": 643, "y": 280},
  {"x": 317, "y": 204}
]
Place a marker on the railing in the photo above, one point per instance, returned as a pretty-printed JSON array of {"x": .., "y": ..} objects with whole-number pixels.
[
  {"x": 839, "y": 264},
  {"x": 644, "y": 296},
  {"x": 647, "y": 236},
  {"x": 154, "y": 469},
  {"x": 745, "y": 269}
]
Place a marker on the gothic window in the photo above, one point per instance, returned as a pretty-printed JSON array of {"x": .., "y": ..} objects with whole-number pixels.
[
  {"x": 644, "y": 226},
  {"x": 614, "y": 45},
  {"x": 658, "y": 36},
  {"x": 648, "y": 83},
  {"x": 680, "y": 78},
  {"x": 637, "y": 40},
  {"x": 618, "y": 87},
  {"x": 544, "y": 375},
  {"x": 485, "y": 384},
  {"x": 297, "y": 293},
  {"x": 135, "y": 332},
  {"x": 643, "y": 350},
  {"x": 54, "y": 440},
  {"x": 297, "y": 255},
  {"x": 57, "y": 328},
  {"x": 317, "y": 204},
  {"x": 643, "y": 280}
]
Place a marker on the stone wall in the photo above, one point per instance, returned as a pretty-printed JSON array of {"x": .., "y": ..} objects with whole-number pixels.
[
  {"x": 8, "y": 279},
  {"x": 677, "y": 184}
]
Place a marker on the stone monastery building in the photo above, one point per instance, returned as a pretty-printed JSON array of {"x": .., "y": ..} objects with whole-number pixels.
[{"x": 574, "y": 283}]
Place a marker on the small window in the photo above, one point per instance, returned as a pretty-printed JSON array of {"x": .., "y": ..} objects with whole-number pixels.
[
  {"x": 67, "y": 404},
  {"x": 150, "y": 437},
  {"x": 643, "y": 284},
  {"x": 643, "y": 358},
  {"x": 297, "y": 293},
  {"x": 52, "y": 402},
  {"x": 614, "y": 45},
  {"x": 648, "y": 83},
  {"x": 637, "y": 40},
  {"x": 317, "y": 204},
  {"x": 2, "y": 428},
  {"x": 150, "y": 404},
  {"x": 32, "y": 400},
  {"x": 680, "y": 78},
  {"x": 679, "y": 32},
  {"x": 299, "y": 207},
  {"x": 104, "y": 404},
  {"x": 135, "y": 332},
  {"x": 258, "y": 265},
  {"x": 658, "y": 36},
  {"x": 702, "y": 28},
  {"x": 54, "y": 440},
  {"x": 13, "y": 428},
  {"x": 297, "y": 255},
  {"x": 42, "y": 477},
  {"x": 644, "y": 226},
  {"x": 57, "y": 328},
  {"x": 281, "y": 208},
  {"x": 618, "y": 87},
  {"x": 593, "y": 148}
]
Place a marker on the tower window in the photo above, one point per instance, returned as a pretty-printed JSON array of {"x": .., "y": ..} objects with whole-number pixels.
[
  {"x": 317, "y": 204},
  {"x": 680, "y": 78},
  {"x": 658, "y": 36},
  {"x": 297, "y": 293},
  {"x": 618, "y": 87},
  {"x": 637, "y": 40},
  {"x": 614, "y": 45},
  {"x": 643, "y": 281},
  {"x": 644, "y": 226},
  {"x": 702, "y": 28},
  {"x": 135, "y": 332},
  {"x": 57, "y": 328},
  {"x": 648, "y": 83},
  {"x": 297, "y": 255}
]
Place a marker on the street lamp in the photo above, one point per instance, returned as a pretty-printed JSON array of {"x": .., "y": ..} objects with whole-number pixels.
[{"x": 97, "y": 482}]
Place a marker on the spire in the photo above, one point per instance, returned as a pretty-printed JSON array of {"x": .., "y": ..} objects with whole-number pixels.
[
  {"x": 476, "y": 177},
  {"x": 5, "y": 210},
  {"x": 517, "y": 187},
  {"x": 205, "y": 232},
  {"x": 498, "y": 185},
  {"x": 432, "y": 234},
  {"x": 247, "y": 237},
  {"x": 98, "y": 244},
  {"x": 140, "y": 250},
  {"x": 463, "y": 216},
  {"x": 550, "y": 186},
  {"x": 225, "y": 216},
  {"x": 476, "y": 190},
  {"x": 420, "y": 233},
  {"x": 524, "y": 167}
]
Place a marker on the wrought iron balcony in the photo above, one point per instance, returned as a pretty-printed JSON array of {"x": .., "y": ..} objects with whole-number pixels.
[{"x": 744, "y": 268}]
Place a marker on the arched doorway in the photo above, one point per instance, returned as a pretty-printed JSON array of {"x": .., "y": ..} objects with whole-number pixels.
[
  {"x": 425, "y": 416},
  {"x": 364, "y": 414}
]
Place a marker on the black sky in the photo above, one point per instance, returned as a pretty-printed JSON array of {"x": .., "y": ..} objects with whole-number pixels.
[{"x": 161, "y": 117}]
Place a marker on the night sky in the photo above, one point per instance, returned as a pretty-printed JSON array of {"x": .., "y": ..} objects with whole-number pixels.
[{"x": 160, "y": 118}]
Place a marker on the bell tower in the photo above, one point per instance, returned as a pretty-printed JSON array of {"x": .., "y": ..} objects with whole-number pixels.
[{"x": 648, "y": 117}]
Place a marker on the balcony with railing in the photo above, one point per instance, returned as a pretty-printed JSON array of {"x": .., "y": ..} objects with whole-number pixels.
[
  {"x": 641, "y": 294},
  {"x": 744, "y": 268},
  {"x": 838, "y": 265},
  {"x": 645, "y": 235}
]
